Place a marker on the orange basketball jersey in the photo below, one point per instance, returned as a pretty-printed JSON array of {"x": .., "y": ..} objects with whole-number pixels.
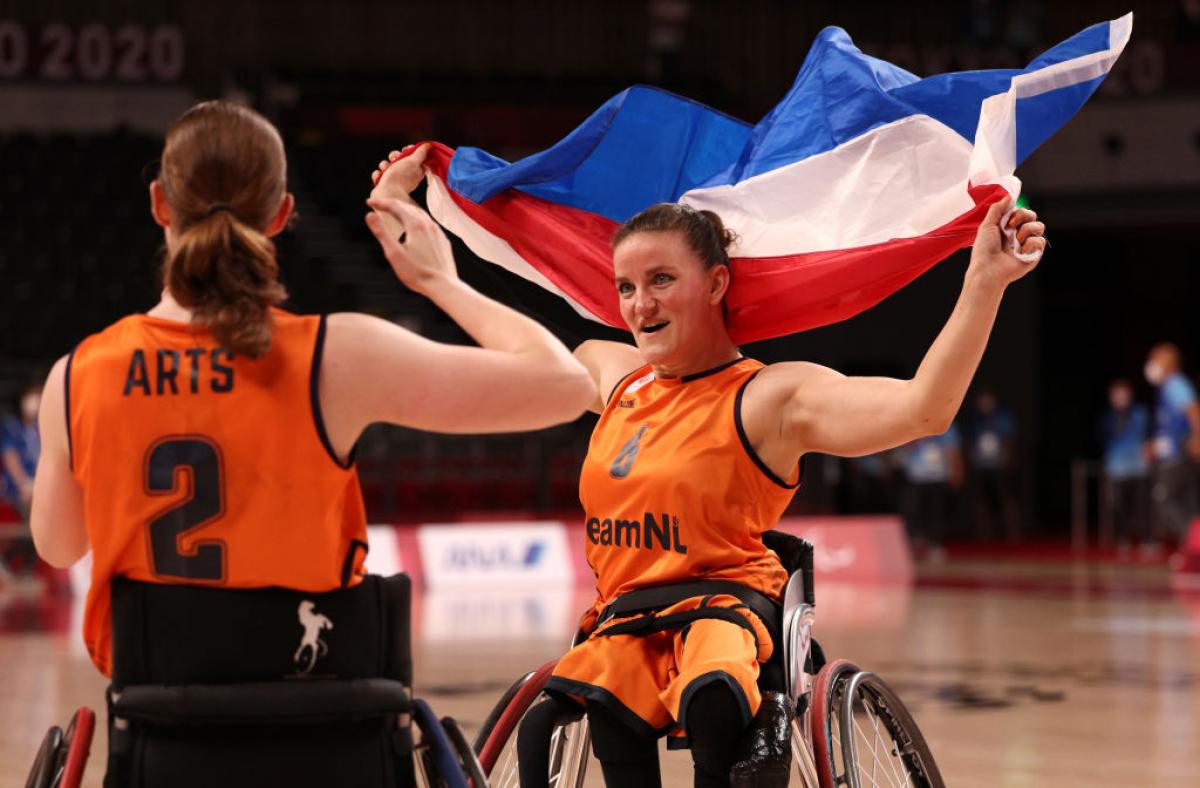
[
  {"x": 199, "y": 466},
  {"x": 672, "y": 489}
]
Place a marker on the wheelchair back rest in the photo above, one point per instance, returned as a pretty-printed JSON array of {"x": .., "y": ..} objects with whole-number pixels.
[
  {"x": 184, "y": 634},
  {"x": 793, "y": 658},
  {"x": 796, "y": 555}
]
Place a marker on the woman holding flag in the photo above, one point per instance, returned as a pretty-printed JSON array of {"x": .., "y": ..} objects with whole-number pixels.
[
  {"x": 696, "y": 454},
  {"x": 859, "y": 180}
]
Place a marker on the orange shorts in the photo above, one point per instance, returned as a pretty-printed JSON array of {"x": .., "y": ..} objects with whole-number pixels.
[{"x": 648, "y": 679}]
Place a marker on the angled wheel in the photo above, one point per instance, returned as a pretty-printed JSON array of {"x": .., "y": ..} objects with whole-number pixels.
[
  {"x": 826, "y": 737},
  {"x": 497, "y": 741},
  {"x": 42, "y": 773},
  {"x": 441, "y": 764},
  {"x": 864, "y": 736},
  {"x": 466, "y": 754},
  {"x": 77, "y": 744},
  {"x": 499, "y": 708}
]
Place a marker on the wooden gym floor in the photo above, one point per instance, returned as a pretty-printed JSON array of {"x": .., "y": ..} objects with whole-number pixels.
[{"x": 1021, "y": 674}]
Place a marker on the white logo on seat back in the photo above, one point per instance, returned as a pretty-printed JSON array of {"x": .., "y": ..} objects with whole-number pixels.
[{"x": 311, "y": 647}]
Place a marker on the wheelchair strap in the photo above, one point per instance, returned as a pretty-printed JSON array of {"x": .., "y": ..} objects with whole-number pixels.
[
  {"x": 648, "y": 623},
  {"x": 649, "y": 600}
]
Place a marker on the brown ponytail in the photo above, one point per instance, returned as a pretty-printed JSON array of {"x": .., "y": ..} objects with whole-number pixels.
[
  {"x": 224, "y": 176},
  {"x": 704, "y": 231}
]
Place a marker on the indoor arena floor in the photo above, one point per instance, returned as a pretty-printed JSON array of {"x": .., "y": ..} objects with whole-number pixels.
[{"x": 1021, "y": 674}]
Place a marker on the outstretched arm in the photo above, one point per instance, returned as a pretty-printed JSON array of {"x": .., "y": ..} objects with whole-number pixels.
[
  {"x": 519, "y": 378},
  {"x": 795, "y": 408}
]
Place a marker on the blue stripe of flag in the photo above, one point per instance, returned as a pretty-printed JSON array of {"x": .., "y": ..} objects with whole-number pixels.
[{"x": 646, "y": 145}]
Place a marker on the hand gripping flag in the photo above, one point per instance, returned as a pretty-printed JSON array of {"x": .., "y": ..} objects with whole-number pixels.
[{"x": 861, "y": 179}]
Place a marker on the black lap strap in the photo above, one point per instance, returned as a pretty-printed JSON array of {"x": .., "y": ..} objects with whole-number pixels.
[
  {"x": 649, "y": 600},
  {"x": 648, "y": 623}
]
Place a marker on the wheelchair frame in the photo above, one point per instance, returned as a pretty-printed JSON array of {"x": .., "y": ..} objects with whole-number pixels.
[
  {"x": 817, "y": 749},
  {"x": 443, "y": 757},
  {"x": 151, "y": 690}
]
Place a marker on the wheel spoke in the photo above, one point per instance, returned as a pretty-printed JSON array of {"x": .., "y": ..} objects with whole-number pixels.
[
  {"x": 859, "y": 765},
  {"x": 562, "y": 766},
  {"x": 889, "y": 753},
  {"x": 508, "y": 769},
  {"x": 871, "y": 722},
  {"x": 876, "y": 741},
  {"x": 882, "y": 749}
]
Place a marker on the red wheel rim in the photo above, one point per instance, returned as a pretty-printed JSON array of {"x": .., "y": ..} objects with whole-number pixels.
[
  {"x": 822, "y": 743},
  {"x": 516, "y": 709},
  {"x": 81, "y": 744}
]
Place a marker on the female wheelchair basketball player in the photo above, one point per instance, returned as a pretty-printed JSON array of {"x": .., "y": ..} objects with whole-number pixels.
[
  {"x": 209, "y": 442},
  {"x": 696, "y": 454}
]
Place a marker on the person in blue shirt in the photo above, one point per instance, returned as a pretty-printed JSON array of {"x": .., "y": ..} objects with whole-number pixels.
[
  {"x": 934, "y": 469},
  {"x": 1126, "y": 471},
  {"x": 19, "y": 450},
  {"x": 991, "y": 433},
  {"x": 1175, "y": 445}
]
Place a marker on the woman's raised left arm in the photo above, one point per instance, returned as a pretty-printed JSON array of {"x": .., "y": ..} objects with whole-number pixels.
[{"x": 794, "y": 408}]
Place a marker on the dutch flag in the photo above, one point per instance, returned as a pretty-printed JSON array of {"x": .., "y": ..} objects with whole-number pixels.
[{"x": 857, "y": 182}]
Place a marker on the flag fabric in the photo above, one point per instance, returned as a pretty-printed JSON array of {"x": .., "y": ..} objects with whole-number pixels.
[{"x": 857, "y": 182}]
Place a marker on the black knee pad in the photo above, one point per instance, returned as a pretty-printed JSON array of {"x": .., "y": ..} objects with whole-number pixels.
[
  {"x": 765, "y": 752},
  {"x": 540, "y": 721},
  {"x": 614, "y": 741},
  {"x": 715, "y": 725},
  {"x": 533, "y": 738}
]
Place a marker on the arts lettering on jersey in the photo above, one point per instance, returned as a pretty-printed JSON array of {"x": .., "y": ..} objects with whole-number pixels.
[
  {"x": 652, "y": 533},
  {"x": 167, "y": 372}
]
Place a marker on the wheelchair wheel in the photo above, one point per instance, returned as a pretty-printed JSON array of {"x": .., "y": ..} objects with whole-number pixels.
[
  {"x": 863, "y": 735},
  {"x": 62, "y": 756},
  {"x": 439, "y": 757},
  {"x": 42, "y": 773},
  {"x": 77, "y": 743},
  {"x": 485, "y": 730},
  {"x": 569, "y": 744}
]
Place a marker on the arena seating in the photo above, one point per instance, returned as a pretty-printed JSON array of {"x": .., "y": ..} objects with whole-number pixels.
[{"x": 62, "y": 284}]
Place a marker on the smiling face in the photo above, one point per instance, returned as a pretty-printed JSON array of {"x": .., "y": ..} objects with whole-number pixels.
[{"x": 669, "y": 300}]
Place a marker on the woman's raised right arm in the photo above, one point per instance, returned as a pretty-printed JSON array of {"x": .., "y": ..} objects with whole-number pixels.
[{"x": 519, "y": 378}]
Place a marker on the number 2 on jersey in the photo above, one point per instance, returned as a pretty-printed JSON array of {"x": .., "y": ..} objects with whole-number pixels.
[{"x": 200, "y": 458}]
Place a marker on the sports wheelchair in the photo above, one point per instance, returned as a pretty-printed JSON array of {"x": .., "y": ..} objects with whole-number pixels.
[
  {"x": 239, "y": 687},
  {"x": 850, "y": 728}
]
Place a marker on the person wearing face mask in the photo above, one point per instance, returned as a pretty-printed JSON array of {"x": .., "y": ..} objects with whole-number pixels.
[
  {"x": 991, "y": 434},
  {"x": 20, "y": 446},
  {"x": 1126, "y": 471},
  {"x": 1175, "y": 445}
]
